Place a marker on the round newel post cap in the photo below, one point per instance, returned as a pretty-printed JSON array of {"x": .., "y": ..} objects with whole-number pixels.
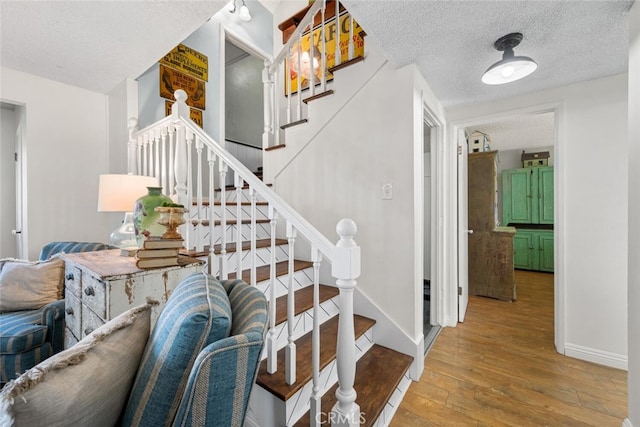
[
  {"x": 347, "y": 230},
  {"x": 180, "y": 95}
]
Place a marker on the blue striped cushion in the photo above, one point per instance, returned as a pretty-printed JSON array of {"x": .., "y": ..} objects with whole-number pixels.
[
  {"x": 197, "y": 314},
  {"x": 20, "y": 331},
  {"x": 12, "y": 365},
  {"x": 53, "y": 248}
]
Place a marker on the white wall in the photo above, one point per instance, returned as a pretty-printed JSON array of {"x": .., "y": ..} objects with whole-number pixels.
[
  {"x": 66, "y": 149},
  {"x": 633, "y": 379},
  {"x": 8, "y": 129},
  {"x": 244, "y": 110},
  {"x": 589, "y": 162}
]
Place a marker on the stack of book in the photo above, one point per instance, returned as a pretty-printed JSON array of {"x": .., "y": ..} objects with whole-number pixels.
[{"x": 158, "y": 252}]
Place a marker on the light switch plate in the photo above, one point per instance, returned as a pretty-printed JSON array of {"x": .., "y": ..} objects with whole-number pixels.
[{"x": 387, "y": 192}]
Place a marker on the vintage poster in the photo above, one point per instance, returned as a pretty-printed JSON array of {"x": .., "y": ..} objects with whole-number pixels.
[
  {"x": 187, "y": 60},
  {"x": 172, "y": 80},
  {"x": 195, "y": 115},
  {"x": 301, "y": 64}
]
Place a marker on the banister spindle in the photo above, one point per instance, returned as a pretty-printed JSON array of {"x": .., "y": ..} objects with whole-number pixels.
[
  {"x": 199, "y": 232},
  {"x": 345, "y": 268},
  {"x": 351, "y": 45},
  {"x": 238, "y": 187},
  {"x": 290, "y": 350},
  {"x": 214, "y": 263},
  {"x": 338, "y": 55},
  {"x": 190, "y": 230},
  {"x": 140, "y": 156},
  {"x": 288, "y": 66},
  {"x": 172, "y": 161},
  {"x": 156, "y": 157},
  {"x": 254, "y": 277},
  {"x": 272, "y": 348},
  {"x": 224, "y": 274},
  {"x": 316, "y": 397},
  {"x": 145, "y": 144},
  {"x": 163, "y": 171},
  {"x": 181, "y": 166},
  {"x": 323, "y": 56},
  {"x": 299, "y": 97}
]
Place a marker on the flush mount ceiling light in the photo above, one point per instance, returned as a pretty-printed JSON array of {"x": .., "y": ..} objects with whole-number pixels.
[
  {"x": 511, "y": 67},
  {"x": 244, "y": 10}
]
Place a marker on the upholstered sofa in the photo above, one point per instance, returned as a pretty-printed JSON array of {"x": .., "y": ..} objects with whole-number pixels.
[
  {"x": 196, "y": 368},
  {"x": 32, "y": 307}
]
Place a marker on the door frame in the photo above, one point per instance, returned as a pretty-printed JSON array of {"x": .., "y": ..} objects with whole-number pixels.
[{"x": 559, "y": 222}]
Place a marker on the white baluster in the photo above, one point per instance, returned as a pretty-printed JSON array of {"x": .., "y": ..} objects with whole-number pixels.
[
  {"x": 145, "y": 143},
  {"x": 181, "y": 174},
  {"x": 312, "y": 68},
  {"x": 156, "y": 146},
  {"x": 238, "y": 186},
  {"x": 316, "y": 397},
  {"x": 272, "y": 349},
  {"x": 338, "y": 55},
  {"x": 299, "y": 97},
  {"x": 346, "y": 268},
  {"x": 139, "y": 157},
  {"x": 211, "y": 158},
  {"x": 199, "y": 232},
  {"x": 351, "y": 42},
  {"x": 268, "y": 113},
  {"x": 150, "y": 152},
  {"x": 224, "y": 274},
  {"x": 254, "y": 278},
  {"x": 287, "y": 71},
  {"x": 189, "y": 201},
  {"x": 163, "y": 173},
  {"x": 323, "y": 57},
  {"x": 172, "y": 162},
  {"x": 290, "y": 350}
]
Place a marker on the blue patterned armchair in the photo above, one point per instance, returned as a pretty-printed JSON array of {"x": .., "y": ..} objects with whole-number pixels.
[{"x": 27, "y": 337}]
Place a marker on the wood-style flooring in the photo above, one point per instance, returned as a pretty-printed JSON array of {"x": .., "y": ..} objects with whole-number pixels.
[{"x": 500, "y": 368}]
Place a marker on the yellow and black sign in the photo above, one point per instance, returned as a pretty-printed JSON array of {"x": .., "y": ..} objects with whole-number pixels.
[
  {"x": 195, "y": 115},
  {"x": 189, "y": 61},
  {"x": 172, "y": 80}
]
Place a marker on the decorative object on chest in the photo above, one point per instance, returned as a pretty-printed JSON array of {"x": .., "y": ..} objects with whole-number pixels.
[{"x": 145, "y": 218}]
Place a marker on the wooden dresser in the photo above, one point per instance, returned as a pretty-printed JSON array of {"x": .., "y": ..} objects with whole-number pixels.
[{"x": 100, "y": 285}]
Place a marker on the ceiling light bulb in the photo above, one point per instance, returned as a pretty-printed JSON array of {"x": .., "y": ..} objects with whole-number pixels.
[
  {"x": 511, "y": 67},
  {"x": 244, "y": 12}
]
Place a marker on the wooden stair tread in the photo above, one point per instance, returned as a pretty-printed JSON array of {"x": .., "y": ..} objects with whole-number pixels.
[
  {"x": 205, "y": 202},
  {"x": 297, "y": 122},
  {"x": 264, "y": 272},
  {"x": 231, "y": 221},
  {"x": 276, "y": 384},
  {"x": 378, "y": 373},
  {"x": 275, "y": 147},
  {"x": 318, "y": 96},
  {"x": 345, "y": 64},
  {"x": 233, "y": 187},
  {"x": 231, "y": 247},
  {"x": 303, "y": 300}
]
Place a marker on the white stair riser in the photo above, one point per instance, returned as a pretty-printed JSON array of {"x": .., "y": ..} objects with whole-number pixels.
[
  {"x": 263, "y": 257},
  {"x": 262, "y": 212},
  {"x": 278, "y": 413},
  {"x": 302, "y": 279},
  {"x": 263, "y": 231},
  {"x": 392, "y": 405}
]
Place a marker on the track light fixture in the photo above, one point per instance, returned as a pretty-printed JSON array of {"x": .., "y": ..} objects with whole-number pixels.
[
  {"x": 511, "y": 67},
  {"x": 243, "y": 13}
]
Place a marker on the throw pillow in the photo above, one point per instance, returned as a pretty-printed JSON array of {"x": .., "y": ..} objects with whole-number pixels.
[
  {"x": 85, "y": 385},
  {"x": 28, "y": 285},
  {"x": 197, "y": 314}
]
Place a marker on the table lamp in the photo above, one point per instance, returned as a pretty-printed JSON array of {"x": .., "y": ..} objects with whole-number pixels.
[{"x": 118, "y": 193}]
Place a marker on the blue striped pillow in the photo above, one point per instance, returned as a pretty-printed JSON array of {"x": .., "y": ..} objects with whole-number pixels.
[{"x": 197, "y": 314}]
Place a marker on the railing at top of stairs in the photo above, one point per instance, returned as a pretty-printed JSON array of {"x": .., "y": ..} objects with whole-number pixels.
[
  {"x": 302, "y": 66},
  {"x": 177, "y": 151}
]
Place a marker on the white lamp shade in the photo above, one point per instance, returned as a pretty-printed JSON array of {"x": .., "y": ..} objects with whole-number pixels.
[
  {"x": 244, "y": 13},
  {"x": 118, "y": 192},
  {"x": 509, "y": 70}
]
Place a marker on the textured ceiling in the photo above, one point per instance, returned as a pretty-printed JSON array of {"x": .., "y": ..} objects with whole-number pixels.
[
  {"x": 452, "y": 41},
  {"x": 519, "y": 132},
  {"x": 95, "y": 44}
]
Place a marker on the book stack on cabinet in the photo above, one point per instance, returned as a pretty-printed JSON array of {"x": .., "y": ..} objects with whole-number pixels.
[{"x": 159, "y": 252}]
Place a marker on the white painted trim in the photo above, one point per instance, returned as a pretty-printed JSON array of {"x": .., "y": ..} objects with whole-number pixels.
[
  {"x": 600, "y": 357},
  {"x": 388, "y": 334},
  {"x": 627, "y": 423},
  {"x": 559, "y": 215}
]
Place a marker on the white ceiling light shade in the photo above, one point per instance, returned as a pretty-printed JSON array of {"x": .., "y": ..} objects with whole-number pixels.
[
  {"x": 243, "y": 13},
  {"x": 511, "y": 67}
]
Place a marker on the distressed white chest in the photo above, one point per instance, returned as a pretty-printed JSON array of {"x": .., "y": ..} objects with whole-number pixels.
[{"x": 102, "y": 284}]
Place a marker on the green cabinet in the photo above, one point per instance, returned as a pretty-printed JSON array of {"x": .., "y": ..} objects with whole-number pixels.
[
  {"x": 533, "y": 250},
  {"x": 527, "y": 196}
]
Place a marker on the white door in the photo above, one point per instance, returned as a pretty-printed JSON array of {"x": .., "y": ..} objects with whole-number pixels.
[
  {"x": 19, "y": 230},
  {"x": 463, "y": 228}
]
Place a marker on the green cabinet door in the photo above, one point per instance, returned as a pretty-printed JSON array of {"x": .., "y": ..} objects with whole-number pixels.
[
  {"x": 545, "y": 195},
  {"x": 524, "y": 253},
  {"x": 516, "y": 197},
  {"x": 545, "y": 246}
]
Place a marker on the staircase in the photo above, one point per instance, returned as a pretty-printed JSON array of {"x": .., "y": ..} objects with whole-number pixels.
[{"x": 320, "y": 364}]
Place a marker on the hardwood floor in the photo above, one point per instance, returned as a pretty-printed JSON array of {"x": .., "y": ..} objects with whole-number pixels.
[{"x": 500, "y": 368}]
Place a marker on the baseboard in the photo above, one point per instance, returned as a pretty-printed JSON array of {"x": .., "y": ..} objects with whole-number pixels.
[
  {"x": 600, "y": 357},
  {"x": 627, "y": 423}
]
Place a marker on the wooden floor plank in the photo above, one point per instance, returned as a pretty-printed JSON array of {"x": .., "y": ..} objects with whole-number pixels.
[{"x": 500, "y": 368}]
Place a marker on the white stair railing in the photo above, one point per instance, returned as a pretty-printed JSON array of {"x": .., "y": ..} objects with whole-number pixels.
[
  {"x": 305, "y": 69},
  {"x": 344, "y": 257}
]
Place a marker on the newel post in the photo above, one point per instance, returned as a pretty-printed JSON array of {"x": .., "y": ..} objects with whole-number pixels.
[
  {"x": 267, "y": 138},
  {"x": 181, "y": 163},
  {"x": 345, "y": 267}
]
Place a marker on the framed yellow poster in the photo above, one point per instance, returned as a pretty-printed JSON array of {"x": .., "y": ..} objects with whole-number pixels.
[
  {"x": 172, "y": 80},
  {"x": 189, "y": 61},
  {"x": 300, "y": 65},
  {"x": 195, "y": 115}
]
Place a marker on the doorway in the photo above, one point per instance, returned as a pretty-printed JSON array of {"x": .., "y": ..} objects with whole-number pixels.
[
  {"x": 11, "y": 181},
  {"x": 528, "y": 131}
]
